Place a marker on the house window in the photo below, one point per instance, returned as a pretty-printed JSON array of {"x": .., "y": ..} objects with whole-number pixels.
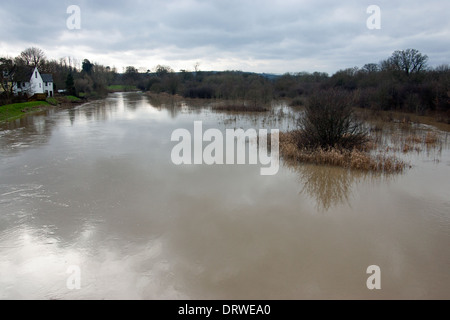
[
  {"x": 35, "y": 74},
  {"x": 40, "y": 85}
]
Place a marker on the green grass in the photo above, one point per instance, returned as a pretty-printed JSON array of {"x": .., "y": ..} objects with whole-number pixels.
[
  {"x": 52, "y": 101},
  {"x": 72, "y": 99},
  {"x": 18, "y": 110},
  {"x": 62, "y": 99},
  {"x": 121, "y": 88}
]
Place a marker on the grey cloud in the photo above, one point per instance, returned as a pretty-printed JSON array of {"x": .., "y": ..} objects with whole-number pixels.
[{"x": 331, "y": 32}]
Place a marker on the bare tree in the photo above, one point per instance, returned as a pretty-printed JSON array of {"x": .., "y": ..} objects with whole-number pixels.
[
  {"x": 7, "y": 69},
  {"x": 162, "y": 71},
  {"x": 370, "y": 68},
  {"x": 197, "y": 67},
  {"x": 33, "y": 56},
  {"x": 409, "y": 61},
  {"x": 329, "y": 122}
]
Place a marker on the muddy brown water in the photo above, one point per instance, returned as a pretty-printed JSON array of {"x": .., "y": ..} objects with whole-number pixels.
[{"x": 94, "y": 187}]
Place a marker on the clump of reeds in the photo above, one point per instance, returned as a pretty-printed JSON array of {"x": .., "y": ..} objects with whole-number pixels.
[
  {"x": 406, "y": 142},
  {"x": 430, "y": 138},
  {"x": 360, "y": 159},
  {"x": 414, "y": 142},
  {"x": 413, "y": 139},
  {"x": 410, "y": 147}
]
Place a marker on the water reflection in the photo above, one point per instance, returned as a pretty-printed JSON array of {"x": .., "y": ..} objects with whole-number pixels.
[
  {"x": 100, "y": 110},
  {"x": 332, "y": 186},
  {"x": 329, "y": 186},
  {"x": 134, "y": 101},
  {"x": 72, "y": 114},
  {"x": 167, "y": 102},
  {"x": 27, "y": 132}
]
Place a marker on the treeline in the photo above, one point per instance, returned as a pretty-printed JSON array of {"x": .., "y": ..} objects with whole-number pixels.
[{"x": 401, "y": 82}]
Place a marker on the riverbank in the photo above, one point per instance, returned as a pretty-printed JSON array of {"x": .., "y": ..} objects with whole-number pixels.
[{"x": 18, "y": 110}]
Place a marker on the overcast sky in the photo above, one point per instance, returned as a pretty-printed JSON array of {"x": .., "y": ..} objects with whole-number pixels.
[{"x": 259, "y": 35}]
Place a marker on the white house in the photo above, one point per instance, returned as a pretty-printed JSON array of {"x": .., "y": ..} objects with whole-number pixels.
[
  {"x": 48, "y": 84},
  {"x": 29, "y": 81}
]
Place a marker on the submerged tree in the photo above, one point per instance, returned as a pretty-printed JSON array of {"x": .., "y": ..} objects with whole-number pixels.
[{"x": 329, "y": 122}]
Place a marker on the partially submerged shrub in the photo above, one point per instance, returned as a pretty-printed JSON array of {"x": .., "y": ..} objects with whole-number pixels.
[{"x": 329, "y": 122}]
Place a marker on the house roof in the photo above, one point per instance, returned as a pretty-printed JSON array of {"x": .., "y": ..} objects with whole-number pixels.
[
  {"x": 47, "y": 77},
  {"x": 23, "y": 73}
]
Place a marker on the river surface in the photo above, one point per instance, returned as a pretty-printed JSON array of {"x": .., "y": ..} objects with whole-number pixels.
[{"x": 92, "y": 207}]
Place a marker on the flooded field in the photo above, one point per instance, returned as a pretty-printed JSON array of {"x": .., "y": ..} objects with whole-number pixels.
[{"x": 94, "y": 188}]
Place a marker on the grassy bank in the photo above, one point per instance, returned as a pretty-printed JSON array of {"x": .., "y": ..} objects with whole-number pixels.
[
  {"x": 121, "y": 88},
  {"x": 72, "y": 98},
  {"x": 18, "y": 110},
  {"x": 63, "y": 100}
]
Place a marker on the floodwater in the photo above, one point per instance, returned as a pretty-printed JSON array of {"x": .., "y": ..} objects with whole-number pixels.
[{"x": 92, "y": 192}]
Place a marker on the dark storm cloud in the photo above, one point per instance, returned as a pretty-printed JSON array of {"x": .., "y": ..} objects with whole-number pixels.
[{"x": 273, "y": 36}]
